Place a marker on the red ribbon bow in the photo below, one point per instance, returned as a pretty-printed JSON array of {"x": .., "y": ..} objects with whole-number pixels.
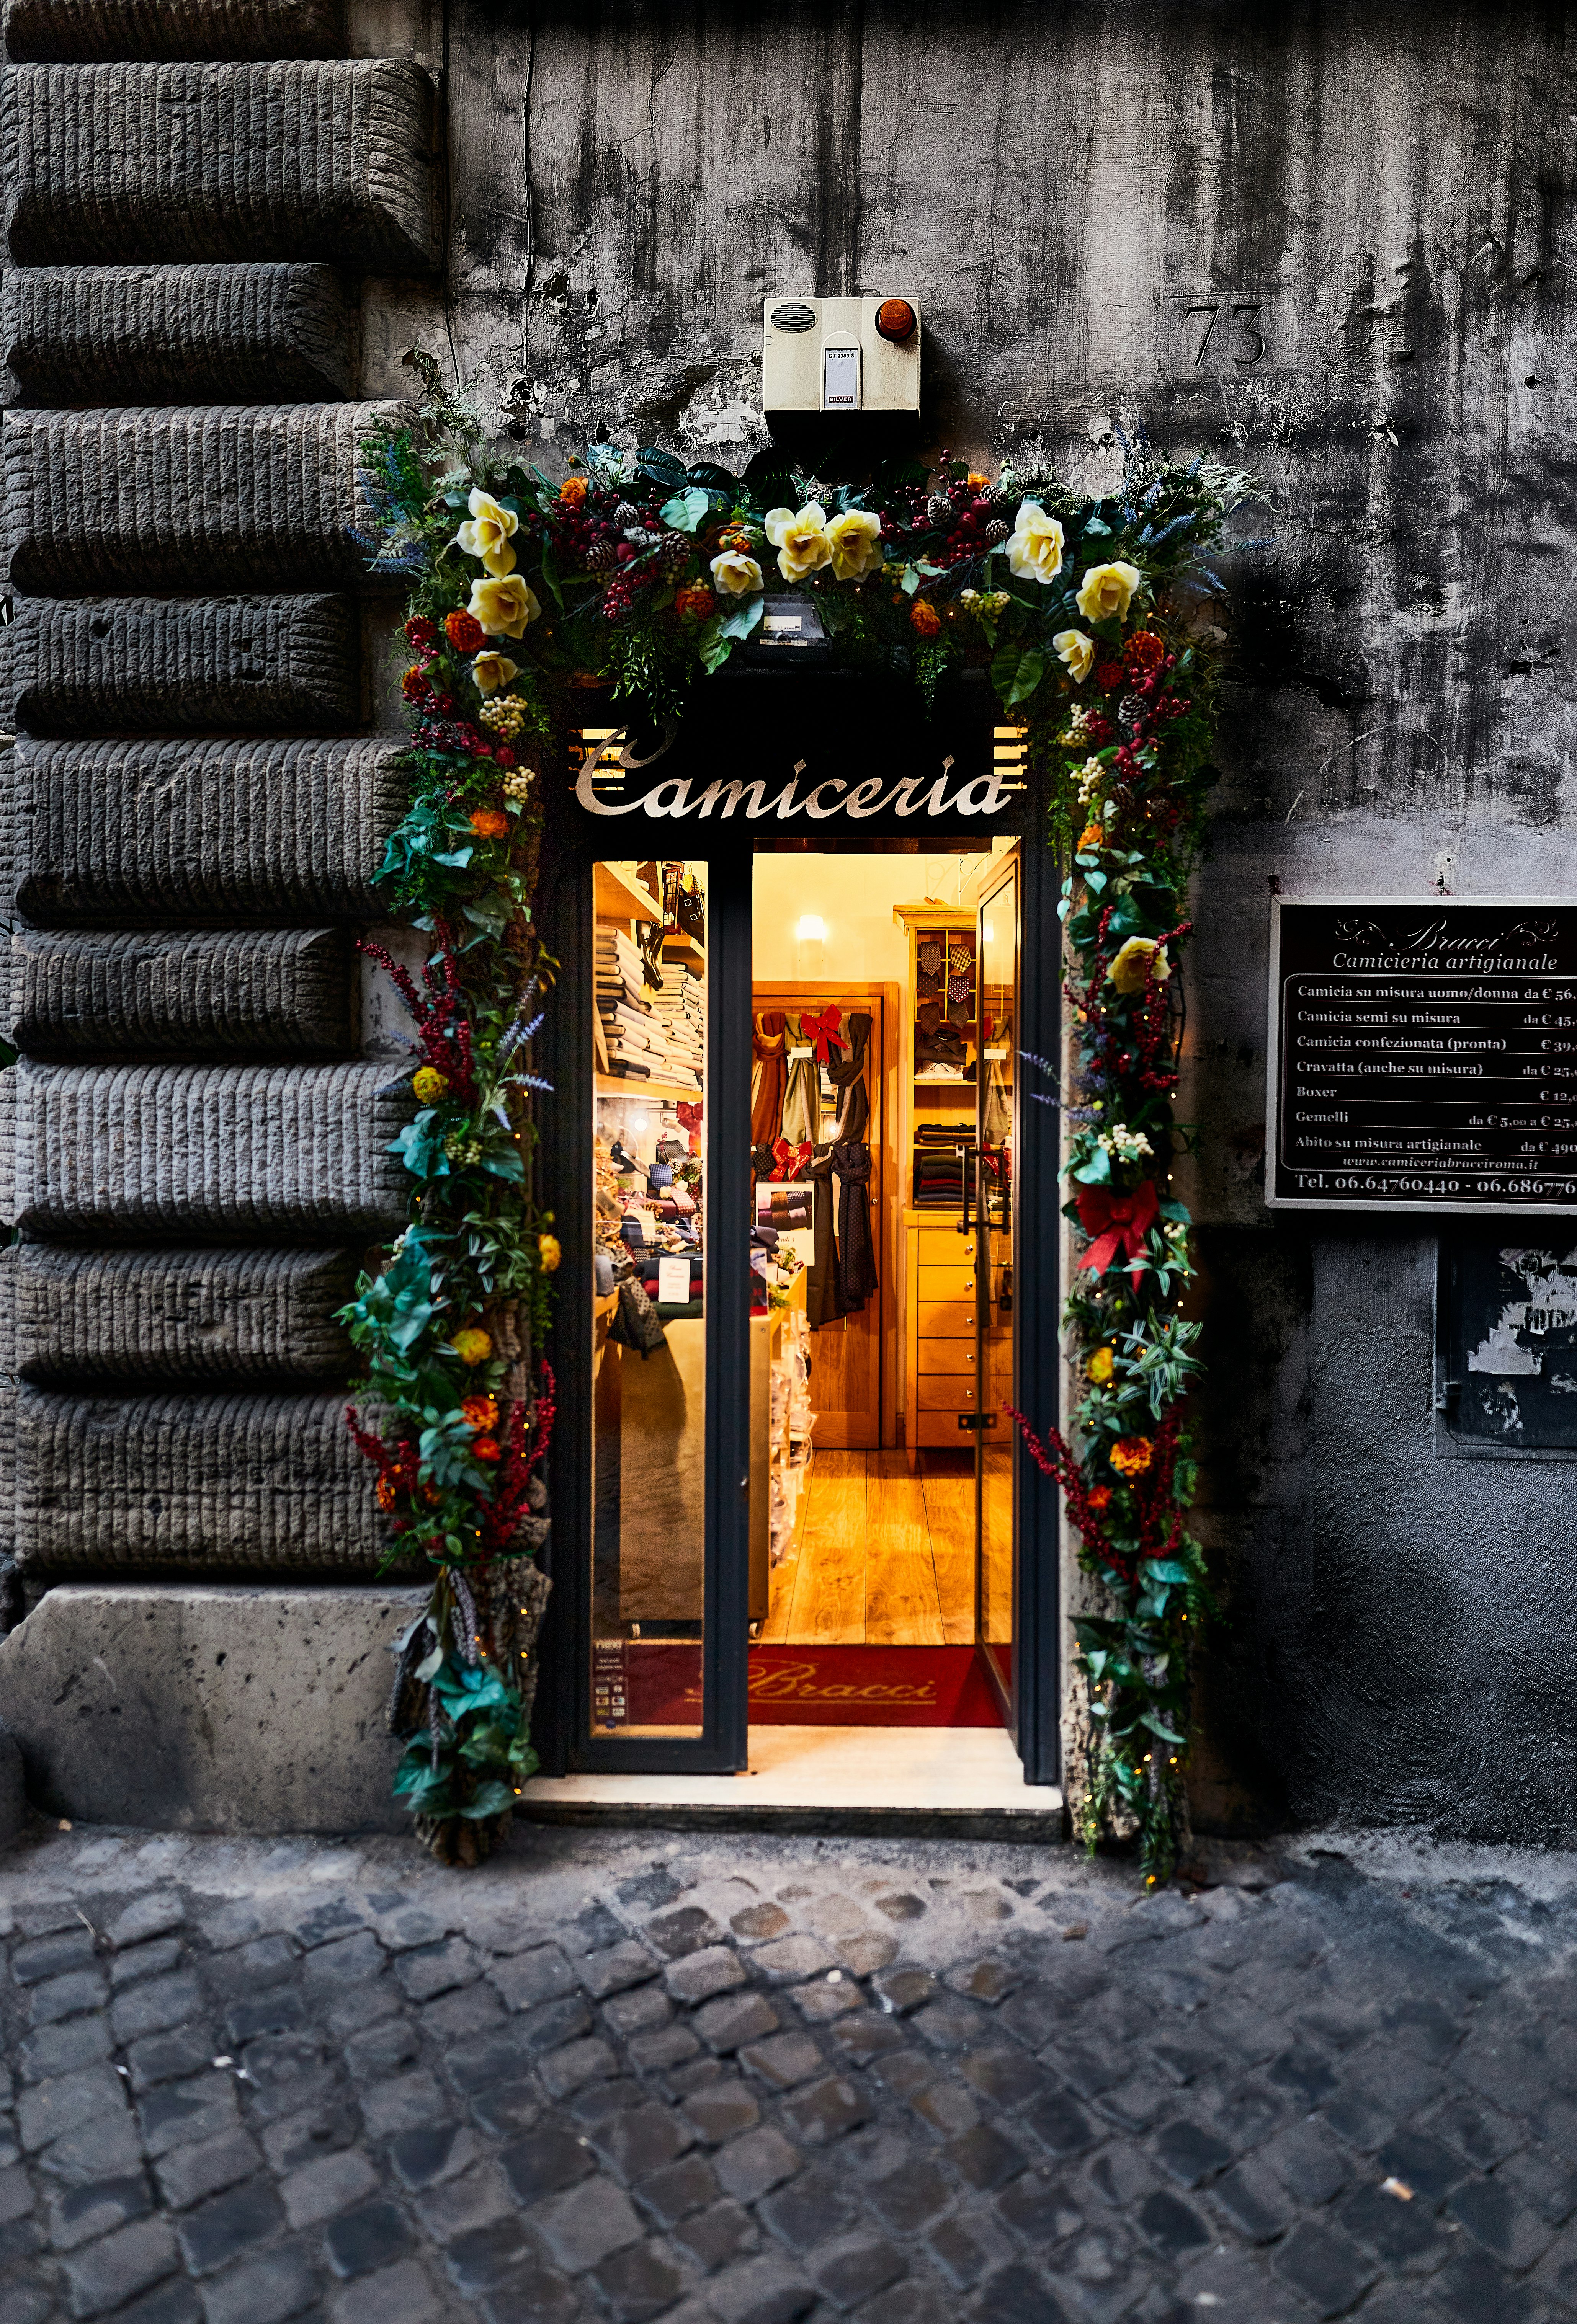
[
  {"x": 689, "y": 1120},
  {"x": 821, "y": 1030},
  {"x": 1116, "y": 1223},
  {"x": 791, "y": 1159}
]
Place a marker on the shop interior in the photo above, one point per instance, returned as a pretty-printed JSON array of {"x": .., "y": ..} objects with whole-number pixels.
[{"x": 882, "y": 1091}]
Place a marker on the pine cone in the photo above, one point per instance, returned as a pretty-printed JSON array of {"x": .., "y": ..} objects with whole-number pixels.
[
  {"x": 996, "y": 532},
  {"x": 626, "y": 514},
  {"x": 939, "y": 509},
  {"x": 673, "y": 549},
  {"x": 1130, "y": 711},
  {"x": 599, "y": 556}
]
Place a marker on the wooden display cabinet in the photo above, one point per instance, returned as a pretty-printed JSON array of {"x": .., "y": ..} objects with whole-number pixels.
[{"x": 937, "y": 1291}]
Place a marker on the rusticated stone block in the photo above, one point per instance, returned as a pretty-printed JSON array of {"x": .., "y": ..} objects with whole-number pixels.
[
  {"x": 175, "y": 333},
  {"x": 108, "y": 665},
  {"x": 126, "y": 832},
  {"x": 192, "y": 1483},
  {"x": 170, "y": 162},
  {"x": 223, "y": 497},
  {"x": 73, "y": 1318},
  {"x": 100, "y": 31},
  {"x": 207, "y": 1707},
  {"x": 171, "y": 993},
  {"x": 134, "y": 1153}
]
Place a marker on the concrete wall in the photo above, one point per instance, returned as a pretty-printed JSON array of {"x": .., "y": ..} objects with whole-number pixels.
[{"x": 1392, "y": 188}]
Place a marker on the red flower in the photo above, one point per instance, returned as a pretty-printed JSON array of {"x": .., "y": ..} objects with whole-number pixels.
[
  {"x": 422, "y": 633},
  {"x": 464, "y": 633},
  {"x": 1109, "y": 676},
  {"x": 414, "y": 685},
  {"x": 1100, "y": 1497},
  {"x": 487, "y": 1448},
  {"x": 502, "y": 756}
]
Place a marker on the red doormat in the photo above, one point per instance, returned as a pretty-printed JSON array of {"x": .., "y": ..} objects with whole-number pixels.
[
  {"x": 870, "y": 1686},
  {"x": 651, "y": 1683}
]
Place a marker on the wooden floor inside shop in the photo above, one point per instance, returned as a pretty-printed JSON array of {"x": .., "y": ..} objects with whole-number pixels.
[{"x": 881, "y": 1555}]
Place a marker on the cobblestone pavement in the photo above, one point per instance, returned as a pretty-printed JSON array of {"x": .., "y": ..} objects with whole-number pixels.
[{"x": 742, "y": 2081}]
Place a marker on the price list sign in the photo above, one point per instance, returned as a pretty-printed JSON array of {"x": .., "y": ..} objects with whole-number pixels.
[{"x": 1423, "y": 1056}]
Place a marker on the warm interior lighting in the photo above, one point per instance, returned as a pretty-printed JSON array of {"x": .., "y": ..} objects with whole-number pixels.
[{"x": 811, "y": 929}]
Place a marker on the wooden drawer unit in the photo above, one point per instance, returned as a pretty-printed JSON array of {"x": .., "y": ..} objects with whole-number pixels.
[
  {"x": 941, "y": 1428},
  {"x": 934, "y": 1283},
  {"x": 945, "y": 1392},
  {"x": 942, "y": 1247},
  {"x": 950, "y": 1319},
  {"x": 944, "y": 1356}
]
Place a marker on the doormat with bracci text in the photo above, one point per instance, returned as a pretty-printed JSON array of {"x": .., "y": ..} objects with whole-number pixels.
[{"x": 658, "y": 1684}]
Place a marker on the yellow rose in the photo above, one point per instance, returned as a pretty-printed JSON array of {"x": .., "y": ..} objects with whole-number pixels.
[
  {"x": 1077, "y": 653},
  {"x": 800, "y": 540},
  {"x": 549, "y": 1252},
  {"x": 472, "y": 1346},
  {"x": 1100, "y": 1366},
  {"x": 491, "y": 670},
  {"x": 488, "y": 534},
  {"x": 856, "y": 544},
  {"x": 1107, "y": 591},
  {"x": 504, "y": 607},
  {"x": 429, "y": 1084},
  {"x": 1035, "y": 546},
  {"x": 1140, "y": 962},
  {"x": 735, "y": 575}
]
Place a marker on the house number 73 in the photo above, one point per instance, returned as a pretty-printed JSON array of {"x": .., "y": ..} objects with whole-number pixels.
[{"x": 1238, "y": 332}]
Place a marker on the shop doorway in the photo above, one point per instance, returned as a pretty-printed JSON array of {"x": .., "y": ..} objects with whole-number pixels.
[{"x": 789, "y": 1129}]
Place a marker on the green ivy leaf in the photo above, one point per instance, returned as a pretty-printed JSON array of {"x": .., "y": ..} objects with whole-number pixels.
[
  {"x": 743, "y": 619},
  {"x": 1031, "y": 669},
  {"x": 687, "y": 509}
]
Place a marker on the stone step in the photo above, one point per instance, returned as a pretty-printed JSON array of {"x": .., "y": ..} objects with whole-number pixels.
[
  {"x": 169, "y": 162},
  {"x": 259, "y": 1482},
  {"x": 220, "y": 497},
  {"x": 203, "y": 1706},
  {"x": 73, "y": 1318},
  {"x": 114, "y": 832},
  {"x": 140, "y": 665},
  {"x": 173, "y": 993},
  {"x": 161, "y": 1153},
  {"x": 101, "y": 32},
  {"x": 153, "y": 334}
]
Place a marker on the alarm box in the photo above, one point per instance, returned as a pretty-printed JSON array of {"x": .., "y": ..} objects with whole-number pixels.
[{"x": 841, "y": 355}]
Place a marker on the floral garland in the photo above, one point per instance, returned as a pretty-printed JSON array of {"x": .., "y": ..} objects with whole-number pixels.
[{"x": 641, "y": 574}]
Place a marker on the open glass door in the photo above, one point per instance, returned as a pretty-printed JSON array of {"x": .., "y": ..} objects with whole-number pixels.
[{"x": 996, "y": 1208}]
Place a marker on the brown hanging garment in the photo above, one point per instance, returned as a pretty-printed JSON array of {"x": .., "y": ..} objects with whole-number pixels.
[{"x": 768, "y": 1076}]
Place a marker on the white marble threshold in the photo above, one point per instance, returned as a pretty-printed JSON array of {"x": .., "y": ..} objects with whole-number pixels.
[{"x": 929, "y": 1770}]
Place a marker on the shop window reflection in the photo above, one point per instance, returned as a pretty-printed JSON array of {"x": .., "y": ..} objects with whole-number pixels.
[{"x": 648, "y": 1031}]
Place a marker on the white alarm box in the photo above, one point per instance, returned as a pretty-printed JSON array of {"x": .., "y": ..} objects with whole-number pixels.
[{"x": 841, "y": 355}]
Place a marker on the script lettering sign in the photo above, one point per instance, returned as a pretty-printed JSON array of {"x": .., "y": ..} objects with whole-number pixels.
[{"x": 1422, "y": 1056}]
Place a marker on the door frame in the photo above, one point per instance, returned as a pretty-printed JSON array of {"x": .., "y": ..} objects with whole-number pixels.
[{"x": 565, "y": 918}]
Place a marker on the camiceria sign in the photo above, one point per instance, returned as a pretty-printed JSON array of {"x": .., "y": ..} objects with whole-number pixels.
[{"x": 807, "y": 794}]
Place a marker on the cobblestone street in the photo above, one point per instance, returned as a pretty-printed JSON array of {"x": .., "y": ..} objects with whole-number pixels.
[{"x": 742, "y": 2081}]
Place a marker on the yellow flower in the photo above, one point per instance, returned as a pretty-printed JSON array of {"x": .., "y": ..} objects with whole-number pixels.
[
  {"x": 1107, "y": 591},
  {"x": 472, "y": 1346},
  {"x": 855, "y": 543},
  {"x": 1141, "y": 962},
  {"x": 549, "y": 1252},
  {"x": 800, "y": 540},
  {"x": 492, "y": 669},
  {"x": 1076, "y": 652},
  {"x": 1130, "y": 1456},
  {"x": 1100, "y": 1366},
  {"x": 504, "y": 607},
  {"x": 735, "y": 575},
  {"x": 1035, "y": 546},
  {"x": 429, "y": 1084},
  {"x": 488, "y": 534}
]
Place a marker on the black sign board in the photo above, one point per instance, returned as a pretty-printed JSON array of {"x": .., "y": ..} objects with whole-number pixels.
[{"x": 1423, "y": 1056}]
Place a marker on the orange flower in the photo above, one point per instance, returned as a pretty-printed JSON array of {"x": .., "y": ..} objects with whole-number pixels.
[
  {"x": 487, "y": 1448},
  {"x": 573, "y": 490},
  {"x": 464, "y": 632},
  {"x": 1130, "y": 1456},
  {"x": 414, "y": 685},
  {"x": 1145, "y": 650},
  {"x": 695, "y": 603},
  {"x": 488, "y": 823},
  {"x": 977, "y": 482},
  {"x": 388, "y": 1493},
  {"x": 923, "y": 618},
  {"x": 1099, "y": 1497},
  {"x": 480, "y": 1412},
  {"x": 1092, "y": 835}
]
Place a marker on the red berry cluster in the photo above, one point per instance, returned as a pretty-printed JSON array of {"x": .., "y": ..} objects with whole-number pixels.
[
  {"x": 623, "y": 590},
  {"x": 422, "y": 635}
]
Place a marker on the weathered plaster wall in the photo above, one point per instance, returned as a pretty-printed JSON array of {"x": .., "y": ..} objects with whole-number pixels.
[{"x": 1392, "y": 186}]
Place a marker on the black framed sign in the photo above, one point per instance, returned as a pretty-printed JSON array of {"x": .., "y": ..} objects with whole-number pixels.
[{"x": 1421, "y": 1056}]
